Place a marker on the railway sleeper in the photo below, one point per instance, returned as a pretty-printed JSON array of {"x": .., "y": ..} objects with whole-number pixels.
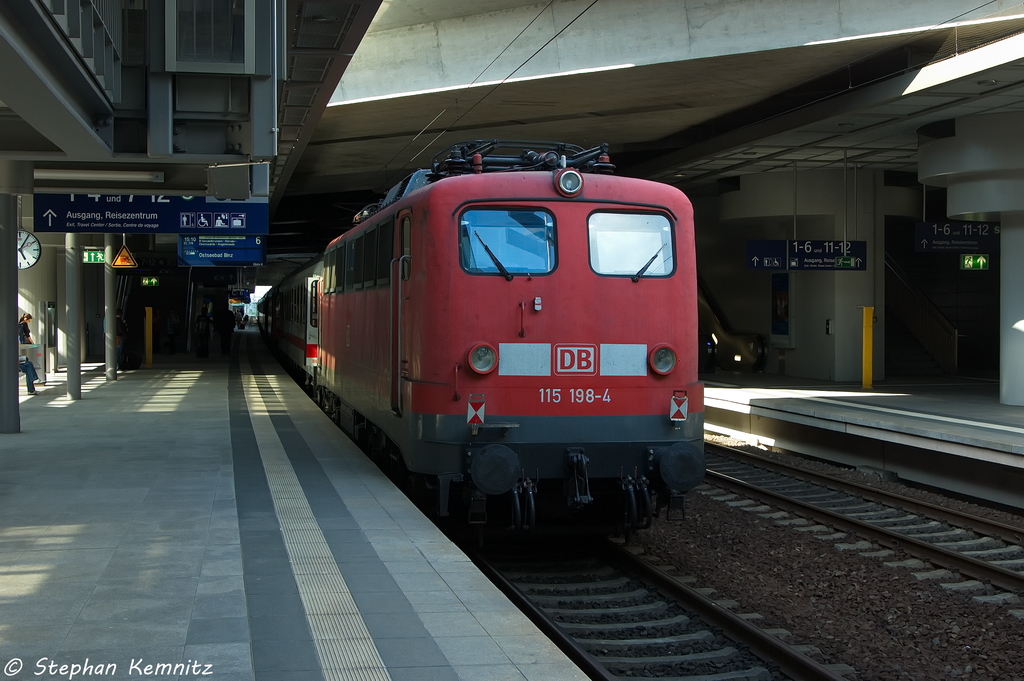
[
  {"x": 993, "y": 554},
  {"x": 970, "y": 544},
  {"x": 677, "y": 621},
  {"x": 585, "y": 600},
  {"x": 720, "y": 654},
  {"x": 570, "y": 571},
  {"x": 682, "y": 639},
  {"x": 579, "y": 586},
  {"x": 620, "y": 610}
]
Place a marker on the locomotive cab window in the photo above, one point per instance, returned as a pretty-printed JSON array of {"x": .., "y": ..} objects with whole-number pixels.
[
  {"x": 518, "y": 241},
  {"x": 631, "y": 244}
]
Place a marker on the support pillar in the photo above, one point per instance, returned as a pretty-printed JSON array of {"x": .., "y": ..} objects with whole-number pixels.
[
  {"x": 109, "y": 308},
  {"x": 1011, "y": 310},
  {"x": 73, "y": 313},
  {"x": 982, "y": 167},
  {"x": 15, "y": 178},
  {"x": 10, "y": 414}
]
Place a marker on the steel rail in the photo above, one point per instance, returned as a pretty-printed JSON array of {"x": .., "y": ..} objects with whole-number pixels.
[
  {"x": 568, "y": 645},
  {"x": 979, "y": 569},
  {"x": 1010, "y": 533},
  {"x": 790, "y": 661}
]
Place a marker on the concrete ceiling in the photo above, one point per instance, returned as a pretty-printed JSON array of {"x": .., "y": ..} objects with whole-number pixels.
[{"x": 689, "y": 123}]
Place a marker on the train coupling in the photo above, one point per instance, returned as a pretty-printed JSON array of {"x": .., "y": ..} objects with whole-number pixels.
[{"x": 578, "y": 482}]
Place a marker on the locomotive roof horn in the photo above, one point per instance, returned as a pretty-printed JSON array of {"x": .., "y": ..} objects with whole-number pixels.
[{"x": 478, "y": 156}]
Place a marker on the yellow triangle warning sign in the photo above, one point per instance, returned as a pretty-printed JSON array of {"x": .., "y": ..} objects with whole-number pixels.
[{"x": 124, "y": 258}]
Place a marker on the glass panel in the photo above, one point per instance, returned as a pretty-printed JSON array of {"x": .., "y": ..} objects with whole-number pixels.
[
  {"x": 370, "y": 258},
  {"x": 385, "y": 249},
  {"x": 355, "y": 257},
  {"x": 329, "y": 261},
  {"x": 211, "y": 31},
  {"x": 624, "y": 243},
  {"x": 523, "y": 241}
]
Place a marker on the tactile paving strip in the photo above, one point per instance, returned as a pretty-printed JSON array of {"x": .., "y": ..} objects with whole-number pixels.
[{"x": 343, "y": 644}]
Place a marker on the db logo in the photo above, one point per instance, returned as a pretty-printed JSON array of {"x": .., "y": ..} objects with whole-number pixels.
[{"x": 576, "y": 359}]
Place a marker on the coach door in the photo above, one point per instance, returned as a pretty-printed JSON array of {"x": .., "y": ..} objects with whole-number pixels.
[
  {"x": 399, "y": 281},
  {"x": 313, "y": 323}
]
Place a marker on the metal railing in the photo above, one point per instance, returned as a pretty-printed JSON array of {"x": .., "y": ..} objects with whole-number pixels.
[
  {"x": 921, "y": 317},
  {"x": 93, "y": 29}
]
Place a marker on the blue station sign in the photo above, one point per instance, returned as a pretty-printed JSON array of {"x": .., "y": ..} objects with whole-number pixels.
[
  {"x": 766, "y": 254},
  {"x": 827, "y": 255},
  {"x": 129, "y": 214},
  {"x": 955, "y": 236},
  {"x": 778, "y": 254},
  {"x": 215, "y": 250}
]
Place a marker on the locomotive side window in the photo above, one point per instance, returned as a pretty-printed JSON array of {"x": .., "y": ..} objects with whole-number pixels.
[
  {"x": 514, "y": 240},
  {"x": 330, "y": 261},
  {"x": 406, "y": 246},
  {"x": 356, "y": 267},
  {"x": 370, "y": 258},
  {"x": 631, "y": 244},
  {"x": 339, "y": 269},
  {"x": 385, "y": 250}
]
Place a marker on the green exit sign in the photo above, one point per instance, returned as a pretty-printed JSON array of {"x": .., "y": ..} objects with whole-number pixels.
[
  {"x": 974, "y": 261},
  {"x": 93, "y": 257},
  {"x": 150, "y": 281},
  {"x": 845, "y": 261}
]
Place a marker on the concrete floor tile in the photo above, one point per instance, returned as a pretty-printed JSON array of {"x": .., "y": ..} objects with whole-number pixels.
[
  {"x": 463, "y": 650},
  {"x": 408, "y": 652}
]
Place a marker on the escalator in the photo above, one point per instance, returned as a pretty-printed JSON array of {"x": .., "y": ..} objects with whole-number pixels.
[{"x": 721, "y": 346}]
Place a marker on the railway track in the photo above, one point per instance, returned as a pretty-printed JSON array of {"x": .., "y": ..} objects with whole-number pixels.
[
  {"x": 969, "y": 553},
  {"x": 619, "y": 617}
]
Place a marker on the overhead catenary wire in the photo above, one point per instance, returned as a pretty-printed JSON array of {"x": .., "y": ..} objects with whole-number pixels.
[{"x": 462, "y": 115}]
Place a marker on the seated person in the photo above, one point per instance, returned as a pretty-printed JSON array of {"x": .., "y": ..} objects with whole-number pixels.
[{"x": 30, "y": 373}]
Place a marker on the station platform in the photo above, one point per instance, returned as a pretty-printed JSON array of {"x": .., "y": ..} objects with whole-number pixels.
[
  {"x": 942, "y": 431},
  {"x": 204, "y": 519}
]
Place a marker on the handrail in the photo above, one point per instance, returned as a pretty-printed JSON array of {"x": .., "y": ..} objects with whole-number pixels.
[{"x": 921, "y": 317}]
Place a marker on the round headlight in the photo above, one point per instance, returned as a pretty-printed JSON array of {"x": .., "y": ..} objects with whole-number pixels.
[
  {"x": 663, "y": 359},
  {"x": 483, "y": 358},
  {"x": 568, "y": 182}
]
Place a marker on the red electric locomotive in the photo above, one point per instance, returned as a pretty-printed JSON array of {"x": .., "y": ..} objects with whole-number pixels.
[{"x": 515, "y": 334}]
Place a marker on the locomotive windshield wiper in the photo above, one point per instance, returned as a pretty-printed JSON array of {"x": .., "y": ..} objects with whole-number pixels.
[
  {"x": 636, "y": 277},
  {"x": 494, "y": 259}
]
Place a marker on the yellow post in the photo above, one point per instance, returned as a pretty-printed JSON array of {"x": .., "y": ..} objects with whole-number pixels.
[
  {"x": 149, "y": 338},
  {"x": 866, "y": 350}
]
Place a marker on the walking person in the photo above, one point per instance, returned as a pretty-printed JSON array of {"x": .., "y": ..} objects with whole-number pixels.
[
  {"x": 171, "y": 323},
  {"x": 225, "y": 326},
  {"x": 121, "y": 331},
  {"x": 202, "y": 334}
]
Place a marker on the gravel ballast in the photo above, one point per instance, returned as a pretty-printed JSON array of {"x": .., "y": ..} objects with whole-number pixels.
[{"x": 882, "y": 621}]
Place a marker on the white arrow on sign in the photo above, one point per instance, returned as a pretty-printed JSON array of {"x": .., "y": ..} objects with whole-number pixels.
[
  {"x": 924, "y": 243},
  {"x": 50, "y": 215}
]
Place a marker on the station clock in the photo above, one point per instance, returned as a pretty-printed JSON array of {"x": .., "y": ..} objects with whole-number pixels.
[{"x": 28, "y": 249}]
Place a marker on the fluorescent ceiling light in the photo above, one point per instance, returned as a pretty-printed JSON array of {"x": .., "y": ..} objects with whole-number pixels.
[
  {"x": 489, "y": 83},
  {"x": 81, "y": 175},
  {"x": 916, "y": 29},
  {"x": 976, "y": 61}
]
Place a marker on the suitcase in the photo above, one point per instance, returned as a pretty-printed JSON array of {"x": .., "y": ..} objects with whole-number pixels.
[{"x": 132, "y": 361}]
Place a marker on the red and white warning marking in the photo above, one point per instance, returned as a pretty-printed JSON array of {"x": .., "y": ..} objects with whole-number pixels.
[
  {"x": 677, "y": 411},
  {"x": 475, "y": 410}
]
